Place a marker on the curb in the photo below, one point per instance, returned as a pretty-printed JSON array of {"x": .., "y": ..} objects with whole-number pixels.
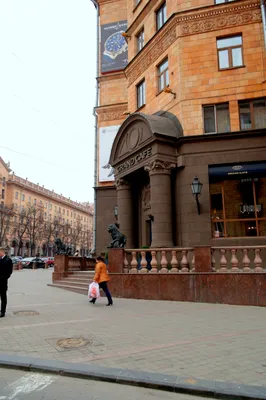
[{"x": 170, "y": 383}]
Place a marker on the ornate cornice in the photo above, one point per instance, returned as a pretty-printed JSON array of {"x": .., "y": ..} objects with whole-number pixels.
[
  {"x": 224, "y": 17},
  {"x": 151, "y": 52},
  {"x": 110, "y": 77},
  {"x": 159, "y": 166},
  {"x": 111, "y": 113},
  {"x": 192, "y": 22}
]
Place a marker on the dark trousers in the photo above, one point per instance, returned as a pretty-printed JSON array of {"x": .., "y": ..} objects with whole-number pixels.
[
  {"x": 3, "y": 290},
  {"x": 104, "y": 287}
]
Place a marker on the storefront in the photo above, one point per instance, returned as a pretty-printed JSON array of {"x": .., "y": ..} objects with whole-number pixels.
[{"x": 154, "y": 167}]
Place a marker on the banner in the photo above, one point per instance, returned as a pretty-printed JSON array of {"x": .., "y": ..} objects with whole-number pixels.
[
  {"x": 106, "y": 139},
  {"x": 114, "y": 55}
]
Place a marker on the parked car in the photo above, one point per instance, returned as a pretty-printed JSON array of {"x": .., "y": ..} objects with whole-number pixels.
[
  {"x": 15, "y": 260},
  {"x": 48, "y": 260},
  {"x": 28, "y": 262}
]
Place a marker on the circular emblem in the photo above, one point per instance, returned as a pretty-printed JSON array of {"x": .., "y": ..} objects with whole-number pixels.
[
  {"x": 115, "y": 45},
  {"x": 69, "y": 343},
  {"x": 237, "y": 167}
]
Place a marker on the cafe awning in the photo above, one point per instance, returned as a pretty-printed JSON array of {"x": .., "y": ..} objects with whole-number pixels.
[{"x": 238, "y": 171}]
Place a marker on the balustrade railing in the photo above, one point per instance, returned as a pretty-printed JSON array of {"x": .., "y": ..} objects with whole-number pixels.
[
  {"x": 174, "y": 260},
  {"x": 239, "y": 259},
  {"x": 79, "y": 264}
]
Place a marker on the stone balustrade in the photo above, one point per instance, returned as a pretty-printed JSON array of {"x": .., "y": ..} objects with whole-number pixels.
[
  {"x": 239, "y": 259},
  {"x": 169, "y": 260}
]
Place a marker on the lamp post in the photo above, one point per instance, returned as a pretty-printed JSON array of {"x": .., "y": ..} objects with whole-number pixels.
[{"x": 196, "y": 188}]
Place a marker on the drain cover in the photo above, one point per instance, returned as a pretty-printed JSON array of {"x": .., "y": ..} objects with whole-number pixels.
[
  {"x": 69, "y": 343},
  {"x": 26, "y": 313}
]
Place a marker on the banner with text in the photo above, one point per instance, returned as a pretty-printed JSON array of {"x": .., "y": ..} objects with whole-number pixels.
[{"x": 114, "y": 54}]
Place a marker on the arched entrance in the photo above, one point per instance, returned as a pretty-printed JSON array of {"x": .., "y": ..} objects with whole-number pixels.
[{"x": 144, "y": 157}]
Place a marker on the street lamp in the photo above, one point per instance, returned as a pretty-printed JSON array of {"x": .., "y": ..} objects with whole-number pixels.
[
  {"x": 196, "y": 187},
  {"x": 116, "y": 211}
]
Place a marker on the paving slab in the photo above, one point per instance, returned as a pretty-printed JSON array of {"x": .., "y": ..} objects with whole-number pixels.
[{"x": 214, "y": 342}]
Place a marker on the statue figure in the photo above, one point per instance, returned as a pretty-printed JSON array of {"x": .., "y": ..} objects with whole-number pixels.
[
  {"x": 62, "y": 248},
  {"x": 118, "y": 239}
]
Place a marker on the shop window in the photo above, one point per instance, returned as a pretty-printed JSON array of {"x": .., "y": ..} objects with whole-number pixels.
[
  {"x": 216, "y": 118},
  {"x": 141, "y": 94},
  {"x": 140, "y": 40},
  {"x": 252, "y": 114},
  {"x": 161, "y": 16},
  {"x": 230, "y": 52},
  {"x": 163, "y": 75},
  {"x": 238, "y": 207}
]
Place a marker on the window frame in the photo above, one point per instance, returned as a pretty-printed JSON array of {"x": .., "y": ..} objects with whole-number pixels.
[
  {"x": 140, "y": 32},
  {"x": 251, "y": 105},
  {"x": 141, "y": 83},
  {"x": 229, "y": 50},
  {"x": 161, "y": 8},
  {"x": 225, "y": 1},
  {"x": 215, "y": 116},
  {"x": 159, "y": 90}
]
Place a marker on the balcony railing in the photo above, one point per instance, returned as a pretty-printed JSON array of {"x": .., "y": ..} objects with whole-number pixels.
[
  {"x": 239, "y": 259},
  {"x": 172, "y": 260}
]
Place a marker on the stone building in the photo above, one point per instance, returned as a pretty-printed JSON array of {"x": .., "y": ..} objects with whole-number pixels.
[
  {"x": 182, "y": 94},
  {"x": 60, "y": 214}
]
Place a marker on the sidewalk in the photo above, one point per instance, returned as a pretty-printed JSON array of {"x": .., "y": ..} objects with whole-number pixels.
[{"x": 214, "y": 342}]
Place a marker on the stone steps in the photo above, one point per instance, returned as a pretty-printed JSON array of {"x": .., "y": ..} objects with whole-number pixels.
[{"x": 77, "y": 282}]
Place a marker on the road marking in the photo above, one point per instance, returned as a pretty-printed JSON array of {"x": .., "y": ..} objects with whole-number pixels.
[{"x": 30, "y": 383}]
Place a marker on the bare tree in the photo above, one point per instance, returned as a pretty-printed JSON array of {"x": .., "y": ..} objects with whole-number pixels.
[
  {"x": 6, "y": 215},
  {"x": 48, "y": 234},
  {"x": 35, "y": 226},
  {"x": 75, "y": 235},
  {"x": 20, "y": 225}
]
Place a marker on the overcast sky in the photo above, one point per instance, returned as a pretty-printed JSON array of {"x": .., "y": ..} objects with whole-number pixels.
[{"x": 47, "y": 92}]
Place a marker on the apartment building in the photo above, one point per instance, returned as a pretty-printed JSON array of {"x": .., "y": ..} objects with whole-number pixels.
[
  {"x": 69, "y": 220},
  {"x": 182, "y": 122}
]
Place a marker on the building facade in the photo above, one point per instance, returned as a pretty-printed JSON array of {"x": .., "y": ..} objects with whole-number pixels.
[
  {"x": 33, "y": 216},
  {"x": 190, "y": 102}
]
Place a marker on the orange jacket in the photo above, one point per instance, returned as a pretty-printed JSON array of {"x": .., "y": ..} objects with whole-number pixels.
[{"x": 101, "y": 274}]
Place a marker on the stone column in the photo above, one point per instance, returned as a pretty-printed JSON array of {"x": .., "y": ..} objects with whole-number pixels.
[
  {"x": 125, "y": 210},
  {"x": 161, "y": 203}
]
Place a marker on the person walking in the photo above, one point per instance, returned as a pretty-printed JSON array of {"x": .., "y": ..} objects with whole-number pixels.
[
  {"x": 6, "y": 269},
  {"x": 101, "y": 277}
]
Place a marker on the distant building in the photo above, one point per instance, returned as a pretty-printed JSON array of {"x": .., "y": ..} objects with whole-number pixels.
[{"x": 43, "y": 214}]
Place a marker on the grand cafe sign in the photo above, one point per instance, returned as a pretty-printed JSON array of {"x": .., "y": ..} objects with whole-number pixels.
[{"x": 135, "y": 160}]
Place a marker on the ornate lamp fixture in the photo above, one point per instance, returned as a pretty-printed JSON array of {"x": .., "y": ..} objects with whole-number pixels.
[{"x": 196, "y": 188}]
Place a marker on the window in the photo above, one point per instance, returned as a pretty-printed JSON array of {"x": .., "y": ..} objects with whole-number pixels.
[
  {"x": 163, "y": 75},
  {"x": 252, "y": 114},
  {"x": 23, "y": 197},
  {"x": 59, "y": 210},
  {"x": 71, "y": 214},
  {"x": 216, "y": 118},
  {"x": 4, "y": 181},
  {"x": 161, "y": 16},
  {"x": 63, "y": 211},
  {"x": 222, "y": 1},
  {"x": 35, "y": 202},
  {"x": 140, "y": 40},
  {"x": 16, "y": 195},
  {"x": 46, "y": 205},
  {"x": 141, "y": 94},
  {"x": 3, "y": 193},
  {"x": 237, "y": 205},
  {"x": 230, "y": 52},
  {"x": 29, "y": 200},
  {"x": 67, "y": 213}
]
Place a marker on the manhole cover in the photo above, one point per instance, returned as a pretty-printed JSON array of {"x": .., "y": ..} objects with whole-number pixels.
[
  {"x": 69, "y": 343},
  {"x": 26, "y": 313}
]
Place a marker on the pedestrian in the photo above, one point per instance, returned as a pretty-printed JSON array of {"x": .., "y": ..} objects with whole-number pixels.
[
  {"x": 6, "y": 269},
  {"x": 102, "y": 277}
]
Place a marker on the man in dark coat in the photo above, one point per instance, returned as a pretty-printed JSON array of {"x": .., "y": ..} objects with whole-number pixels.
[{"x": 6, "y": 269}]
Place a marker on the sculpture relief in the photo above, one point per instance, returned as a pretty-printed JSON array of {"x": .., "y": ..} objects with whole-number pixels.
[{"x": 159, "y": 166}]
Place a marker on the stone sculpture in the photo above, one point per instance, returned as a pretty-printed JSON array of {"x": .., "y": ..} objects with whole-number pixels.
[{"x": 118, "y": 239}]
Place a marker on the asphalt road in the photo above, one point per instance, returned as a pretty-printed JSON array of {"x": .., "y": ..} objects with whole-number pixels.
[{"x": 20, "y": 385}]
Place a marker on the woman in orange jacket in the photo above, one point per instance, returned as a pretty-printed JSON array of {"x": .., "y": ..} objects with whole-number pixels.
[{"x": 101, "y": 277}]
